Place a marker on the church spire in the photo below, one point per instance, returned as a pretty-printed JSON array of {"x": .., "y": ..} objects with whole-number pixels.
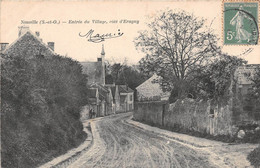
[
  {"x": 103, "y": 50},
  {"x": 103, "y": 80}
]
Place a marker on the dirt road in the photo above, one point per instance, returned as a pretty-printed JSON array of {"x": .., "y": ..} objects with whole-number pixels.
[{"x": 118, "y": 144}]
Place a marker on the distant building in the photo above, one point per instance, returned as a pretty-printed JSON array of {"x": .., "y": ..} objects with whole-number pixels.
[
  {"x": 105, "y": 100},
  {"x": 115, "y": 97},
  {"x": 95, "y": 70},
  {"x": 110, "y": 98},
  {"x": 126, "y": 98},
  {"x": 151, "y": 90},
  {"x": 93, "y": 99},
  {"x": 243, "y": 78},
  {"x": 27, "y": 44}
]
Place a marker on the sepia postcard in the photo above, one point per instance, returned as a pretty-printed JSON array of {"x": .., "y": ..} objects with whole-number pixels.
[{"x": 130, "y": 84}]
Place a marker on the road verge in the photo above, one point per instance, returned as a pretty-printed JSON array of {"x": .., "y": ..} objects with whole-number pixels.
[{"x": 73, "y": 154}]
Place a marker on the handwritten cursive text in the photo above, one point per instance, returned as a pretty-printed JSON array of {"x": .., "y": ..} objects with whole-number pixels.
[{"x": 97, "y": 38}]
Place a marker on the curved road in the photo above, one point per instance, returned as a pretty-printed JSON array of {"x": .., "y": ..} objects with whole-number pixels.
[{"x": 118, "y": 144}]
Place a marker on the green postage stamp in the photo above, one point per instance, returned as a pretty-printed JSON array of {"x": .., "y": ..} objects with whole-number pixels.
[{"x": 241, "y": 22}]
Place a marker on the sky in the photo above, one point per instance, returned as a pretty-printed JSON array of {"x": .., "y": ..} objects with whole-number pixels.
[{"x": 67, "y": 39}]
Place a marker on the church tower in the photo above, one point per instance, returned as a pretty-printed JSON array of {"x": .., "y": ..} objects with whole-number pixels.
[
  {"x": 103, "y": 52},
  {"x": 103, "y": 65}
]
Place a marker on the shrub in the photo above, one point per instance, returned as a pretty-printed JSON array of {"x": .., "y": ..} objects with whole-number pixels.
[{"x": 41, "y": 100}]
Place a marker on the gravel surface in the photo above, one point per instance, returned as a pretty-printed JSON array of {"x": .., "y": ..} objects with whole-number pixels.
[
  {"x": 220, "y": 153},
  {"x": 119, "y": 144}
]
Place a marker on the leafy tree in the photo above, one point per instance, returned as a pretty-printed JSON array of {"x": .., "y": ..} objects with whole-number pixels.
[
  {"x": 122, "y": 74},
  {"x": 214, "y": 80},
  {"x": 116, "y": 69},
  {"x": 131, "y": 77},
  {"x": 175, "y": 44},
  {"x": 109, "y": 79}
]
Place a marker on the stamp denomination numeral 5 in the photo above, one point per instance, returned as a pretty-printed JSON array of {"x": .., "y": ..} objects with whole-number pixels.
[{"x": 230, "y": 35}]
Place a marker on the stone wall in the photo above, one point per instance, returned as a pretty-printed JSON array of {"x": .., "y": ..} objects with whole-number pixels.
[
  {"x": 150, "y": 112},
  {"x": 202, "y": 116},
  {"x": 187, "y": 114}
]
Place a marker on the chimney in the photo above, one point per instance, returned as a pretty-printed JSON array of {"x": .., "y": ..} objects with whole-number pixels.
[
  {"x": 3, "y": 46},
  {"x": 22, "y": 30},
  {"x": 51, "y": 45},
  {"x": 37, "y": 33}
]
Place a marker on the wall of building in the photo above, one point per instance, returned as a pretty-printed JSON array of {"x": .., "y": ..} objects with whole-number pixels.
[
  {"x": 109, "y": 109},
  {"x": 130, "y": 101}
]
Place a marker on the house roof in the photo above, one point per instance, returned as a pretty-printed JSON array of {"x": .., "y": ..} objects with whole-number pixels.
[
  {"x": 89, "y": 66},
  {"x": 124, "y": 89},
  {"x": 102, "y": 91},
  {"x": 150, "y": 88},
  {"x": 97, "y": 85},
  {"x": 28, "y": 44}
]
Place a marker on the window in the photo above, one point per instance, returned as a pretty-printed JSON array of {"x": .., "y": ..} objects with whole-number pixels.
[
  {"x": 130, "y": 107},
  {"x": 131, "y": 97}
]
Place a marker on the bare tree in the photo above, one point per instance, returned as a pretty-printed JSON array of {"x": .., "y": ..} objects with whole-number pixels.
[{"x": 175, "y": 43}]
